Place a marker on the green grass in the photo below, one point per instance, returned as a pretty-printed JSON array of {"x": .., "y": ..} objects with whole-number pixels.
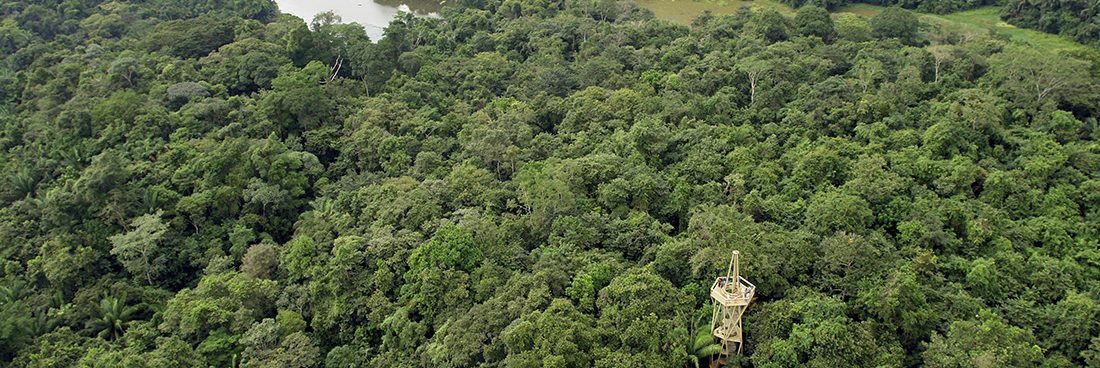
[
  {"x": 989, "y": 18},
  {"x": 985, "y": 20},
  {"x": 863, "y": 10}
]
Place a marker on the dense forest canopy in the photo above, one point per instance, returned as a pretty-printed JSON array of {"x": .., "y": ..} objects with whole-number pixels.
[
  {"x": 1076, "y": 19},
  {"x": 525, "y": 183}
]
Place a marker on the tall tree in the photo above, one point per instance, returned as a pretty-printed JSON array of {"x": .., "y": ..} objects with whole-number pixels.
[
  {"x": 138, "y": 250},
  {"x": 895, "y": 22},
  {"x": 1034, "y": 79}
]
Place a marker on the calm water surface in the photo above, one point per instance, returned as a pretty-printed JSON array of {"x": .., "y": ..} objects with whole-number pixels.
[{"x": 374, "y": 15}]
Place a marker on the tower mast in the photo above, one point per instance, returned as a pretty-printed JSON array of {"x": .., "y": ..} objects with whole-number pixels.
[{"x": 730, "y": 295}]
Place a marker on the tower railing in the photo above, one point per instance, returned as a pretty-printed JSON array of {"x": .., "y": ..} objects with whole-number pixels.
[{"x": 728, "y": 294}]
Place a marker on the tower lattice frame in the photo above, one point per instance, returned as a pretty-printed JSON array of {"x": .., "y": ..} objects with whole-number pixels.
[{"x": 730, "y": 295}]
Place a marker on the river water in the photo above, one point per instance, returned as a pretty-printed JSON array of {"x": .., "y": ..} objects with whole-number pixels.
[{"x": 373, "y": 15}]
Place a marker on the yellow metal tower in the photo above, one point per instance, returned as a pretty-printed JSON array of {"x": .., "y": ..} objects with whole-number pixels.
[{"x": 730, "y": 296}]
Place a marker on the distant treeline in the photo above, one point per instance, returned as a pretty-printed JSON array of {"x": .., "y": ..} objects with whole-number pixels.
[
  {"x": 1075, "y": 19},
  {"x": 928, "y": 6}
]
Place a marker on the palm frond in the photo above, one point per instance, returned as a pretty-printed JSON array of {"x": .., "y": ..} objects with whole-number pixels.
[
  {"x": 702, "y": 339},
  {"x": 709, "y": 350}
]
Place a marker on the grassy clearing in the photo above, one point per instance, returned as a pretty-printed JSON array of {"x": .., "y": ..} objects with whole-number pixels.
[
  {"x": 983, "y": 20},
  {"x": 989, "y": 18},
  {"x": 863, "y": 10}
]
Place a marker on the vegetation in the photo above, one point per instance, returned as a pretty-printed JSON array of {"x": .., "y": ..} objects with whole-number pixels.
[
  {"x": 930, "y": 6},
  {"x": 984, "y": 21},
  {"x": 538, "y": 183},
  {"x": 1074, "y": 19}
]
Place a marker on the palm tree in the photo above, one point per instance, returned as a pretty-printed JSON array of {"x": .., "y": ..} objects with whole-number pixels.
[
  {"x": 701, "y": 347},
  {"x": 12, "y": 290},
  {"x": 37, "y": 324},
  {"x": 21, "y": 182},
  {"x": 113, "y": 317}
]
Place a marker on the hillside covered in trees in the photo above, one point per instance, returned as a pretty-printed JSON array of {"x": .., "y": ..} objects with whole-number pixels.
[
  {"x": 1076, "y": 19},
  {"x": 538, "y": 183}
]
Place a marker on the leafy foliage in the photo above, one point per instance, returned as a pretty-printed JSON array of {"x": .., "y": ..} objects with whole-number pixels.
[
  {"x": 541, "y": 183},
  {"x": 1075, "y": 19},
  {"x": 929, "y": 6}
]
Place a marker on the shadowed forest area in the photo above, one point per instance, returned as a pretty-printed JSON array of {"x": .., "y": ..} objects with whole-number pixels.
[{"x": 543, "y": 183}]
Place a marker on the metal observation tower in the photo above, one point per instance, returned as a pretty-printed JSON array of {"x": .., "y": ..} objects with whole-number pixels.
[{"x": 730, "y": 296}]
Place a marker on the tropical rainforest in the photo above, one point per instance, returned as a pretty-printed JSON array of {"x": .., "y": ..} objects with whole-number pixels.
[
  {"x": 1076, "y": 19},
  {"x": 539, "y": 183}
]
